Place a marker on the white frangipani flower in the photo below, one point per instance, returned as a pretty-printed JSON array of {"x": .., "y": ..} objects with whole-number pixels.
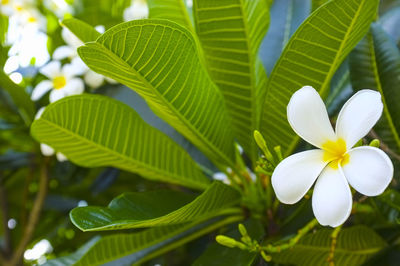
[
  {"x": 91, "y": 78},
  {"x": 59, "y": 7},
  {"x": 221, "y": 177},
  {"x": 62, "y": 82},
  {"x": 335, "y": 164},
  {"x": 137, "y": 10}
]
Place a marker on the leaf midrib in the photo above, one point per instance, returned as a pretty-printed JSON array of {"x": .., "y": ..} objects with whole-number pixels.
[
  {"x": 255, "y": 121},
  {"x": 124, "y": 157},
  {"x": 183, "y": 120}
]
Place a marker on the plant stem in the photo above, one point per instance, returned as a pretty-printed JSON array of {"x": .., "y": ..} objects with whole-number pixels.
[
  {"x": 293, "y": 241},
  {"x": 334, "y": 236},
  {"x": 34, "y": 215}
]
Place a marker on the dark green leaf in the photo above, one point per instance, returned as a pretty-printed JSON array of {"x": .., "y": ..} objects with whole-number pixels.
[
  {"x": 375, "y": 64},
  {"x": 20, "y": 97},
  {"x": 139, "y": 247},
  {"x": 354, "y": 246},
  {"x": 148, "y": 209}
]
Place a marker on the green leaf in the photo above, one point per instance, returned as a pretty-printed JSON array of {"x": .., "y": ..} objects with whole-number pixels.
[
  {"x": 20, "y": 98},
  {"x": 391, "y": 197},
  {"x": 375, "y": 64},
  {"x": 159, "y": 60},
  {"x": 230, "y": 33},
  {"x": 149, "y": 209},
  {"x": 174, "y": 10},
  {"x": 94, "y": 131},
  {"x": 82, "y": 30},
  {"x": 317, "y": 3},
  {"x": 311, "y": 57},
  {"x": 139, "y": 247},
  {"x": 3, "y": 28},
  {"x": 354, "y": 246}
]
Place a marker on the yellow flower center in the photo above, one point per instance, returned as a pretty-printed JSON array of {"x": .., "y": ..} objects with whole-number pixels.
[
  {"x": 59, "y": 82},
  {"x": 5, "y": 2},
  {"x": 335, "y": 153},
  {"x": 32, "y": 20},
  {"x": 19, "y": 8}
]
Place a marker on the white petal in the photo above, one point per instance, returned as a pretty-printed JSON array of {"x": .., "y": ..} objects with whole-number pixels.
[
  {"x": 100, "y": 28},
  {"x": 63, "y": 52},
  {"x": 41, "y": 89},
  {"x": 110, "y": 80},
  {"x": 46, "y": 150},
  {"x": 56, "y": 95},
  {"x": 71, "y": 70},
  {"x": 358, "y": 115},
  {"x": 52, "y": 69},
  {"x": 61, "y": 157},
  {"x": 70, "y": 38},
  {"x": 39, "y": 112},
  {"x": 369, "y": 170},
  {"x": 74, "y": 86},
  {"x": 332, "y": 199},
  {"x": 294, "y": 176},
  {"x": 308, "y": 117},
  {"x": 93, "y": 79},
  {"x": 78, "y": 67}
]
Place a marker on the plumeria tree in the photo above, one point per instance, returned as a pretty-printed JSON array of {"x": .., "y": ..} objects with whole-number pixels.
[{"x": 172, "y": 132}]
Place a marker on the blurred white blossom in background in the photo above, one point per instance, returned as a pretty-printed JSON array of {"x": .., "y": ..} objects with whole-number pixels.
[
  {"x": 91, "y": 78},
  {"x": 62, "y": 82},
  {"x": 137, "y": 10}
]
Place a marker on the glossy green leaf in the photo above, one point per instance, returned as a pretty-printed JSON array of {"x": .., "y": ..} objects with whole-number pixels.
[
  {"x": 230, "y": 33},
  {"x": 121, "y": 249},
  {"x": 375, "y": 64},
  {"x": 354, "y": 246},
  {"x": 148, "y": 209},
  {"x": 94, "y": 130},
  {"x": 19, "y": 96},
  {"x": 82, "y": 30},
  {"x": 311, "y": 57},
  {"x": 391, "y": 197},
  {"x": 174, "y": 10},
  {"x": 159, "y": 60}
]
